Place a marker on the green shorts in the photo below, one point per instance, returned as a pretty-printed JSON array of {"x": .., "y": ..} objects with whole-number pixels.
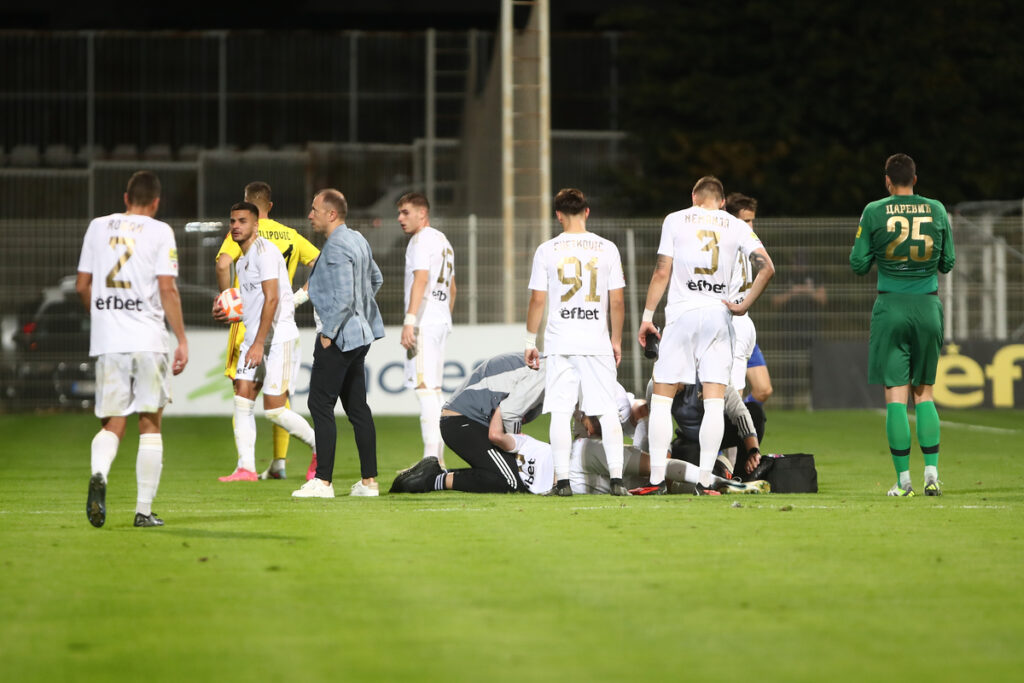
[{"x": 906, "y": 339}]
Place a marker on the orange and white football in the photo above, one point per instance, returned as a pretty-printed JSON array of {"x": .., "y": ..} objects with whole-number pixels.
[{"x": 230, "y": 301}]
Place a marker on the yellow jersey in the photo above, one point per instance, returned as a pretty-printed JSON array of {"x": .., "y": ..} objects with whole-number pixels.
[{"x": 294, "y": 247}]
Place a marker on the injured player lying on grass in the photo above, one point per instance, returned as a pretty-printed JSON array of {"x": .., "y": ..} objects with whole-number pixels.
[
  {"x": 589, "y": 472},
  {"x": 589, "y": 469}
]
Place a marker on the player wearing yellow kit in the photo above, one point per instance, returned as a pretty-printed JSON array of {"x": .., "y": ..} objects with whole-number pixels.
[{"x": 296, "y": 249}]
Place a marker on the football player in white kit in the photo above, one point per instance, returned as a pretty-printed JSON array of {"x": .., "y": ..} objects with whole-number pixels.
[
  {"x": 135, "y": 261},
  {"x": 745, "y": 348},
  {"x": 269, "y": 356},
  {"x": 582, "y": 274},
  {"x": 429, "y": 302},
  {"x": 696, "y": 258}
]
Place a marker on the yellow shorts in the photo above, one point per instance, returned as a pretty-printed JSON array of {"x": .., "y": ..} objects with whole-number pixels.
[{"x": 235, "y": 336}]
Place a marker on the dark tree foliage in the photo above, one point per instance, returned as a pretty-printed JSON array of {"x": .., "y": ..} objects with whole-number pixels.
[{"x": 799, "y": 103}]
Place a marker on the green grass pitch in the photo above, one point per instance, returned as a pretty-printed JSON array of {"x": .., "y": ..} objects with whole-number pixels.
[{"x": 246, "y": 583}]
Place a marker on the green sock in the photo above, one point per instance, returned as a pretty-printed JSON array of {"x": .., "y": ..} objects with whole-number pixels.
[
  {"x": 897, "y": 431},
  {"x": 928, "y": 432}
]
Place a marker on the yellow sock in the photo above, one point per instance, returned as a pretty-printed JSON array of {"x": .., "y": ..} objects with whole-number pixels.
[{"x": 281, "y": 439}]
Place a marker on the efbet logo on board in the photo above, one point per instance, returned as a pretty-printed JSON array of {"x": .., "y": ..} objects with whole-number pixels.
[{"x": 960, "y": 381}]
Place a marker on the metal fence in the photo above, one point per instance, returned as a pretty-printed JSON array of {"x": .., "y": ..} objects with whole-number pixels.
[{"x": 815, "y": 296}]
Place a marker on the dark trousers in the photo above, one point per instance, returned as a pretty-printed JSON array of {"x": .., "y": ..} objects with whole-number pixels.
[
  {"x": 491, "y": 470},
  {"x": 340, "y": 374},
  {"x": 686, "y": 445}
]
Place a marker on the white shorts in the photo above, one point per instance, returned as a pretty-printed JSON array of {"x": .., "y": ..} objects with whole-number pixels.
[
  {"x": 427, "y": 366},
  {"x": 279, "y": 370},
  {"x": 588, "y": 467},
  {"x": 129, "y": 383},
  {"x": 589, "y": 381},
  {"x": 742, "y": 347},
  {"x": 696, "y": 344}
]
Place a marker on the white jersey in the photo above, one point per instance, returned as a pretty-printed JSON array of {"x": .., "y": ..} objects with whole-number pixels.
[
  {"x": 742, "y": 279},
  {"x": 431, "y": 251},
  {"x": 577, "y": 270},
  {"x": 264, "y": 262},
  {"x": 125, "y": 254},
  {"x": 704, "y": 246}
]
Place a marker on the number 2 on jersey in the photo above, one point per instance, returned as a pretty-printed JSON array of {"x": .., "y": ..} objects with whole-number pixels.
[
  {"x": 576, "y": 278},
  {"x": 913, "y": 232},
  {"x": 129, "y": 248}
]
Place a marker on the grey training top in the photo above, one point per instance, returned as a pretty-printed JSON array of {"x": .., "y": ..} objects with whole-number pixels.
[{"x": 502, "y": 381}]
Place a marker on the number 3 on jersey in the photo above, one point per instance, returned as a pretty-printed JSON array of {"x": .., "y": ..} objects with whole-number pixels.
[
  {"x": 576, "y": 278},
  {"x": 711, "y": 245},
  {"x": 129, "y": 248}
]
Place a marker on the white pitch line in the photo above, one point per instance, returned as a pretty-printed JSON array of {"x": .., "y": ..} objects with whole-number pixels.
[
  {"x": 760, "y": 505},
  {"x": 967, "y": 425}
]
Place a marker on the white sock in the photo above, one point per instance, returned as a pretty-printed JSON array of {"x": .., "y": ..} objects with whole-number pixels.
[
  {"x": 560, "y": 433},
  {"x": 611, "y": 441},
  {"x": 245, "y": 433},
  {"x": 712, "y": 427},
  {"x": 659, "y": 435},
  {"x": 430, "y": 421},
  {"x": 293, "y": 423},
  {"x": 905, "y": 479},
  {"x": 440, "y": 441},
  {"x": 104, "y": 450},
  {"x": 931, "y": 472},
  {"x": 680, "y": 470},
  {"x": 148, "y": 465}
]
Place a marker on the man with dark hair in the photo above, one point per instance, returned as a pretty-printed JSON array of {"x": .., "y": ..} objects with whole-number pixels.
[
  {"x": 269, "y": 356},
  {"x": 910, "y": 239},
  {"x": 342, "y": 287},
  {"x": 429, "y": 302},
  {"x": 581, "y": 273},
  {"x": 697, "y": 254},
  {"x": 135, "y": 261},
  {"x": 143, "y": 189},
  {"x": 295, "y": 249},
  {"x": 481, "y": 423},
  {"x": 748, "y": 363}
]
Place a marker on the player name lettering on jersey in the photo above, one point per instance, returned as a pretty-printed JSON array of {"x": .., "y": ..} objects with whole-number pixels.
[
  {"x": 896, "y": 209},
  {"x": 706, "y": 219},
  {"x": 124, "y": 225},
  {"x": 575, "y": 245},
  {"x": 275, "y": 234}
]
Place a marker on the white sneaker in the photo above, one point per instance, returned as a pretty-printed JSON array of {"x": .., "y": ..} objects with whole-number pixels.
[
  {"x": 361, "y": 489},
  {"x": 315, "y": 488}
]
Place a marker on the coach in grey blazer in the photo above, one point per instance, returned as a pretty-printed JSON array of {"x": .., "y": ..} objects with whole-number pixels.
[{"x": 342, "y": 287}]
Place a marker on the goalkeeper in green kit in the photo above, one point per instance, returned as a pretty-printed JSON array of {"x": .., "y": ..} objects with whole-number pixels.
[{"x": 909, "y": 238}]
